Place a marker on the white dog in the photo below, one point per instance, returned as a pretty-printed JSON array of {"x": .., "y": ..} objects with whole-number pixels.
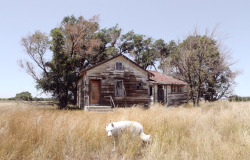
[{"x": 115, "y": 128}]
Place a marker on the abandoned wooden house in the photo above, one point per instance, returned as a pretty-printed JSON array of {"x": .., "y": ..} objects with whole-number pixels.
[{"x": 121, "y": 82}]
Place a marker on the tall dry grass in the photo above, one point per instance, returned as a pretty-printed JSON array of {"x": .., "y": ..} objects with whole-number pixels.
[{"x": 219, "y": 130}]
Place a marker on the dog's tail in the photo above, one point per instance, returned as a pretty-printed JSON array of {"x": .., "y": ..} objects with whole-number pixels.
[{"x": 144, "y": 136}]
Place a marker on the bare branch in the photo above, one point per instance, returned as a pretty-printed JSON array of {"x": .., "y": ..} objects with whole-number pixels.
[{"x": 35, "y": 46}]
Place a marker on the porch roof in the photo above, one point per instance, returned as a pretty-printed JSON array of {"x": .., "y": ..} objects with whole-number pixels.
[{"x": 164, "y": 79}]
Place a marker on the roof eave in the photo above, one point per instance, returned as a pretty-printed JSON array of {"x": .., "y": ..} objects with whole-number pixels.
[{"x": 84, "y": 70}]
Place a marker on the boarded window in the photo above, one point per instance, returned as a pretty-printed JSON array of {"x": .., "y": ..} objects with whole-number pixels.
[
  {"x": 118, "y": 66},
  {"x": 138, "y": 85},
  {"x": 119, "y": 88}
]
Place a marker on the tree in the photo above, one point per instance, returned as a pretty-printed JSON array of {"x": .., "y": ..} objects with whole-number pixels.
[
  {"x": 163, "y": 52},
  {"x": 199, "y": 61},
  {"x": 61, "y": 78},
  {"x": 26, "y": 96},
  {"x": 221, "y": 80},
  {"x": 139, "y": 47},
  {"x": 81, "y": 41},
  {"x": 35, "y": 45},
  {"x": 73, "y": 45},
  {"x": 76, "y": 45},
  {"x": 109, "y": 46}
]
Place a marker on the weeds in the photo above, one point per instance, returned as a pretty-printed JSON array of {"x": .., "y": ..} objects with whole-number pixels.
[{"x": 219, "y": 130}]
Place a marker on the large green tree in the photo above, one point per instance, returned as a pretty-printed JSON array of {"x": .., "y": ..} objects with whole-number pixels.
[
  {"x": 163, "y": 52},
  {"x": 62, "y": 76},
  {"x": 110, "y": 38},
  {"x": 140, "y": 48}
]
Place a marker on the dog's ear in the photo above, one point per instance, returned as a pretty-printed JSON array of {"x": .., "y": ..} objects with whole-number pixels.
[{"x": 112, "y": 125}]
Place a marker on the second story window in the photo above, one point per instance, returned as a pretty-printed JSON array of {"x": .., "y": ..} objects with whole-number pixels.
[
  {"x": 138, "y": 85},
  {"x": 118, "y": 66}
]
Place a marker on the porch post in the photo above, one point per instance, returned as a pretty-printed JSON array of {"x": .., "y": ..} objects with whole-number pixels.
[
  {"x": 156, "y": 93},
  {"x": 165, "y": 94},
  {"x": 81, "y": 97}
]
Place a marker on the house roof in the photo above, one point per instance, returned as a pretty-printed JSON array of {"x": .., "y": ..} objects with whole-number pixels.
[
  {"x": 164, "y": 79},
  {"x": 151, "y": 74}
]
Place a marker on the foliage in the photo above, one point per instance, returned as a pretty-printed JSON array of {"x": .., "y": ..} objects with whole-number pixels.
[
  {"x": 80, "y": 40},
  {"x": 42, "y": 99},
  {"x": 35, "y": 45},
  {"x": 109, "y": 38},
  {"x": 164, "y": 51},
  {"x": 236, "y": 98},
  {"x": 199, "y": 61},
  {"x": 77, "y": 44},
  {"x": 139, "y": 47},
  {"x": 26, "y": 96},
  {"x": 62, "y": 76}
]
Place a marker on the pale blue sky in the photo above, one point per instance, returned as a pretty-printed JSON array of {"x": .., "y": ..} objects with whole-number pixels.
[{"x": 166, "y": 19}]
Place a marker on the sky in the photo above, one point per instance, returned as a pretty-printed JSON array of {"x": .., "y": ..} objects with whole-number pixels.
[{"x": 166, "y": 19}]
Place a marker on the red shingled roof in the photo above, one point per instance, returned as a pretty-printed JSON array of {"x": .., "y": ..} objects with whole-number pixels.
[{"x": 164, "y": 79}]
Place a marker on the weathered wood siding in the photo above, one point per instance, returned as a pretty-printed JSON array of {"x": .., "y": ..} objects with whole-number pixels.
[
  {"x": 107, "y": 74},
  {"x": 169, "y": 97},
  {"x": 176, "y": 98}
]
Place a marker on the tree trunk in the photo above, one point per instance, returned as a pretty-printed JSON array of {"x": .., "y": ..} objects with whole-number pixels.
[
  {"x": 74, "y": 101},
  {"x": 63, "y": 99},
  {"x": 198, "y": 94},
  {"x": 63, "y": 102},
  {"x": 197, "y": 100},
  {"x": 192, "y": 95}
]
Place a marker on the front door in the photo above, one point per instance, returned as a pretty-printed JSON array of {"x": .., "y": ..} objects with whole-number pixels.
[{"x": 95, "y": 92}]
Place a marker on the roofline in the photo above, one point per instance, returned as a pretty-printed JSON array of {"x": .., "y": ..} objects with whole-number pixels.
[
  {"x": 178, "y": 84},
  {"x": 84, "y": 70},
  {"x": 160, "y": 82}
]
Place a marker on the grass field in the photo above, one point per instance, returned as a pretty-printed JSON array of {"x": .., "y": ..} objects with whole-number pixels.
[{"x": 214, "y": 131}]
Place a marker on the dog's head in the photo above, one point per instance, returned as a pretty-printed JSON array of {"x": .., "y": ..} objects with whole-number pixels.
[{"x": 109, "y": 129}]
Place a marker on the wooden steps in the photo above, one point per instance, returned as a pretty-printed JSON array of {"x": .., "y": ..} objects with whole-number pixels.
[{"x": 98, "y": 108}]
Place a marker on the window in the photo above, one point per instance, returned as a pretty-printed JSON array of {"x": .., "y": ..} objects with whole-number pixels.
[
  {"x": 119, "y": 88},
  {"x": 138, "y": 85},
  {"x": 118, "y": 66},
  {"x": 179, "y": 89},
  {"x": 173, "y": 89},
  {"x": 176, "y": 89}
]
